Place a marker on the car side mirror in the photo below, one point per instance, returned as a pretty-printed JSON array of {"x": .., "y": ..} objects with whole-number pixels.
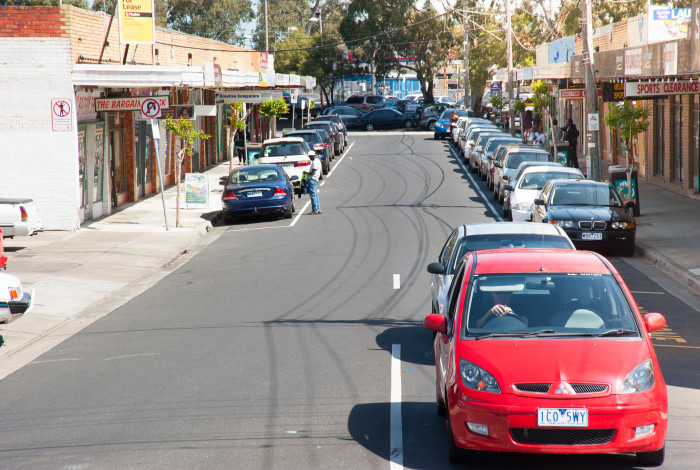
[
  {"x": 436, "y": 322},
  {"x": 293, "y": 178},
  {"x": 539, "y": 202},
  {"x": 508, "y": 187},
  {"x": 654, "y": 321},
  {"x": 436, "y": 268}
]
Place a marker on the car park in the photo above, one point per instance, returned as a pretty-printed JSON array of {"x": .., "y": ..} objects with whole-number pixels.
[
  {"x": 468, "y": 138},
  {"x": 429, "y": 115},
  {"x": 332, "y": 129},
  {"x": 479, "y": 143},
  {"x": 385, "y": 118},
  {"x": 289, "y": 153},
  {"x": 565, "y": 365},
  {"x": 257, "y": 189},
  {"x": 347, "y": 114},
  {"x": 505, "y": 169},
  {"x": 314, "y": 140},
  {"x": 365, "y": 103},
  {"x": 471, "y": 237},
  {"x": 514, "y": 179},
  {"x": 590, "y": 212},
  {"x": 528, "y": 186},
  {"x": 342, "y": 128},
  {"x": 458, "y": 128}
]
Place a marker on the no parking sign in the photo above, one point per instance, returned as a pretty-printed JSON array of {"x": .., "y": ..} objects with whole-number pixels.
[{"x": 150, "y": 108}]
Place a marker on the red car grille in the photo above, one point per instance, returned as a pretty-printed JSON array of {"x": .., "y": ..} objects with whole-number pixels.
[
  {"x": 562, "y": 437},
  {"x": 544, "y": 388}
]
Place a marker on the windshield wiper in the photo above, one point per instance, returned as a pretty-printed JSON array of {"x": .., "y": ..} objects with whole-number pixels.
[
  {"x": 520, "y": 334},
  {"x": 620, "y": 332}
]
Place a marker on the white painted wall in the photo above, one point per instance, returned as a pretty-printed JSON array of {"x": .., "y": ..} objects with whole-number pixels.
[{"x": 36, "y": 161}]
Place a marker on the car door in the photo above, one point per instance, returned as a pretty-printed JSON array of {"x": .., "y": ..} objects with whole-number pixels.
[
  {"x": 539, "y": 211},
  {"x": 444, "y": 342},
  {"x": 438, "y": 287}
]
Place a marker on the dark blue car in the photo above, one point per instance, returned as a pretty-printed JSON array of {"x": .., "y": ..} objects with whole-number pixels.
[
  {"x": 384, "y": 118},
  {"x": 315, "y": 141},
  {"x": 257, "y": 189}
]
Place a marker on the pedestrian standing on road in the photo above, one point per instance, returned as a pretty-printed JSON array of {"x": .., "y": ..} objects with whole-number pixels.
[
  {"x": 572, "y": 138},
  {"x": 314, "y": 174}
]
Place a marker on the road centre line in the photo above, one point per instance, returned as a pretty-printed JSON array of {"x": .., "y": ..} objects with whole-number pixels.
[
  {"x": 396, "y": 422},
  {"x": 469, "y": 174},
  {"x": 397, "y": 281}
]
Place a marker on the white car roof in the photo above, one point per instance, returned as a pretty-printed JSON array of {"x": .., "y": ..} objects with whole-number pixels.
[
  {"x": 282, "y": 140},
  {"x": 547, "y": 168},
  {"x": 508, "y": 228}
]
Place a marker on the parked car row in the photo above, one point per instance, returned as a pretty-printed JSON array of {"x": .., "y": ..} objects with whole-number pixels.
[
  {"x": 508, "y": 297},
  {"x": 14, "y": 301}
]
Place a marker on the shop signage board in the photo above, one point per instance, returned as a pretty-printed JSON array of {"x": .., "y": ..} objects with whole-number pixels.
[
  {"x": 611, "y": 92},
  {"x": 695, "y": 37},
  {"x": 643, "y": 90},
  {"x": 129, "y": 104},
  {"x": 196, "y": 190},
  {"x": 572, "y": 94},
  {"x": 137, "y": 22}
]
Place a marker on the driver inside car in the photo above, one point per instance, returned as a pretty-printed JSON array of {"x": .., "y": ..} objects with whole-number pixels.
[{"x": 501, "y": 307}]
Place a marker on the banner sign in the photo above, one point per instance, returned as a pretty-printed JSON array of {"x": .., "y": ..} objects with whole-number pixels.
[
  {"x": 612, "y": 92},
  {"x": 572, "y": 94},
  {"x": 136, "y": 22},
  {"x": 695, "y": 37},
  {"x": 667, "y": 24},
  {"x": 129, "y": 104},
  {"x": 652, "y": 89},
  {"x": 196, "y": 190}
]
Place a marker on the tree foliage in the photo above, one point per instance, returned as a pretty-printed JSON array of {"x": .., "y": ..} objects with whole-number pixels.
[{"x": 221, "y": 20}]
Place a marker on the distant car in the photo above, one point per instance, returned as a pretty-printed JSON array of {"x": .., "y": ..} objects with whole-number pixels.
[
  {"x": 590, "y": 212},
  {"x": 527, "y": 188},
  {"x": 19, "y": 216},
  {"x": 313, "y": 139},
  {"x": 14, "y": 301},
  {"x": 487, "y": 152},
  {"x": 467, "y": 139},
  {"x": 348, "y": 115},
  {"x": 257, "y": 189},
  {"x": 513, "y": 181},
  {"x": 505, "y": 169},
  {"x": 546, "y": 351},
  {"x": 480, "y": 142},
  {"x": 385, "y": 118},
  {"x": 289, "y": 153},
  {"x": 472, "y": 237},
  {"x": 332, "y": 129},
  {"x": 442, "y": 125},
  {"x": 428, "y": 116},
  {"x": 340, "y": 124},
  {"x": 365, "y": 103}
]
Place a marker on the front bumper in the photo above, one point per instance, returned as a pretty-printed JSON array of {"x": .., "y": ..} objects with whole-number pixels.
[{"x": 611, "y": 239}]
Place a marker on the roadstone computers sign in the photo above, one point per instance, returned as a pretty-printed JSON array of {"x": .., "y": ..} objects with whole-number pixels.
[{"x": 137, "y": 22}]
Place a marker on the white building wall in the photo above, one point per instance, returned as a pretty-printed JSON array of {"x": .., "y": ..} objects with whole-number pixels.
[{"x": 35, "y": 160}]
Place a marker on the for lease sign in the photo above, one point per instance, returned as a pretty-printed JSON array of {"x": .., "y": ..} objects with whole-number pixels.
[
  {"x": 647, "y": 89},
  {"x": 128, "y": 104}
]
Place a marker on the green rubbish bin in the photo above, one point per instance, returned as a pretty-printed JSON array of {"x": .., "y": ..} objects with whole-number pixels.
[
  {"x": 253, "y": 152},
  {"x": 618, "y": 178},
  {"x": 562, "y": 154}
]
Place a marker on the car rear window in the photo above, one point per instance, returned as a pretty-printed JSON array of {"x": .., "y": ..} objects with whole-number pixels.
[
  {"x": 515, "y": 159},
  {"x": 283, "y": 149},
  {"x": 255, "y": 175},
  {"x": 354, "y": 100}
]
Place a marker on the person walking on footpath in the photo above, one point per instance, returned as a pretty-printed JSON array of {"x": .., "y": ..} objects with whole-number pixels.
[
  {"x": 572, "y": 138},
  {"x": 239, "y": 145},
  {"x": 314, "y": 174}
]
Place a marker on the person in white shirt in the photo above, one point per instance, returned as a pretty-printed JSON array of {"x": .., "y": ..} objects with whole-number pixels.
[{"x": 313, "y": 175}]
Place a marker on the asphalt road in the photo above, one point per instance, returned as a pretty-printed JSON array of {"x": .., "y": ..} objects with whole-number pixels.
[{"x": 299, "y": 344}]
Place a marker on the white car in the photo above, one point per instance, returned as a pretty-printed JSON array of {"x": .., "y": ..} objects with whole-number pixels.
[
  {"x": 457, "y": 129},
  {"x": 289, "y": 153},
  {"x": 505, "y": 169},
  {"x": 14, "y": 302},
  {"x": 473, "y": 237},
  {"x": 527, "y": 188}
]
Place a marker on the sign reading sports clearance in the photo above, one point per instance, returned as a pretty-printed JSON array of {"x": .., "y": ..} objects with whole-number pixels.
[
  {"x": 137, "y": 22},
  {"x": 128, "y": 104},
  {"x": 645, "y": 89}
]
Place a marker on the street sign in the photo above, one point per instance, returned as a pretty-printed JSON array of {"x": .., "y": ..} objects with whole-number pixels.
[
  {"x": 593, "y": 122},
  {"x": 150, "y": 108},
  {"x": 496, "y": 86},
  {"x": 61, "y": 115}
]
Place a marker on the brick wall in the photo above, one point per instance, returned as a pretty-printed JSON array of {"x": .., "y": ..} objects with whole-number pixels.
[
  {"x": 37, "y": 161},
  {"x": 32, "y": 21}
]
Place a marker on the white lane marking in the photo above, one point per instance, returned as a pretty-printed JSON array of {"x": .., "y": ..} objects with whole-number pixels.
[
  {"x": 469, "y": 174},
  {"x": 299, "y": 213},
  {"x": 396, "y": 426},
  {"x": 695, "y": 271},
  {"x": 397, "y": 281}
]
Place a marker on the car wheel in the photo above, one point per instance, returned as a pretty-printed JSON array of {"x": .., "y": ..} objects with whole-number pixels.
[
  {"x": 369, "y": 126},
  {"x": 408, "y": 123},
  {"x": 290, "y": 210},
  {"x": 500, "y": 198},
  {"x": 431, "y": 125},
  {"x": 326, "y": 168},
  {"x": 436, "y": 137},
  {"x": 506, "y": 213},
  {"x": 651, "y": 459},
  {"x": 628, "y": 250},
  {"x": 229, "y": 219},
  {"x": 440, "y": 405}
]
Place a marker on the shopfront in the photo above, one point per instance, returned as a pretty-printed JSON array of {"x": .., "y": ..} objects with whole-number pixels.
[{"x": 92, "y": 151}]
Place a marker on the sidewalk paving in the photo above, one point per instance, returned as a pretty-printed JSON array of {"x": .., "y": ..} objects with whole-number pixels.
[{"x": 78, "y": 277}]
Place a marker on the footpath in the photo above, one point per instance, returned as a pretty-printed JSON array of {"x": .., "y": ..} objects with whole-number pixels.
[{"x": 78, "y": 277}]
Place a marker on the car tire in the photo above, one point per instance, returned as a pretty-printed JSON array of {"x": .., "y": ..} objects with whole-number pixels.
[
  {"x": 408, "y": 124},
  {"x": 431, "y": 125},
  {"x": 628, "y": 250},
  {"x": 651, "y": 459},
  {"x": 229, "y": 219},
  {"x": 495, "y": 193},
  {"x": 436, "y": 137},
  {"x": 290, "y": 210},
  {"x": 440, "y": 406},
  {"x": 326, "y": 168},
  {"x": 369, "y": 126}
]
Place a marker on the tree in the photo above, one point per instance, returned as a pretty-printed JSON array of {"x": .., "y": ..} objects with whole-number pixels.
[
  {"x": 629, "y": 120},
  {"x": 238, "y": 124},
  {"x": 184, "y": 129},
  {"x": 221, "y": 20},
  {"x": 271, "y": 109}
]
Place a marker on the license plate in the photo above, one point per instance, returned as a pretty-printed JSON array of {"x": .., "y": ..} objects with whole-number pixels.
[
  {"x": 287, "y": 165},
  {"x": 563, "y": 417},
  {"x": 255, "y": 194},
  {"x": 591, "y": 236}
]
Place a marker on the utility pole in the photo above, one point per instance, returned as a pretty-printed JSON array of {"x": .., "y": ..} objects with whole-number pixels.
[
  {"x": 267, "y": 32},
  {"x": 509, "y": 55},
  {"x": 591, "y": 98},
  {"x": 465, "y": 44}
]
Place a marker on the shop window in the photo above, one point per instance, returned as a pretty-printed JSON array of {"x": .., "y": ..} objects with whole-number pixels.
[
  {"x": 677, "y": 138},
  {"x": 82, "y": 163},
  {"x": 99, "y": 163},
  {"x": 116, "y": 141},
  {"x": 659, "y": 137}
]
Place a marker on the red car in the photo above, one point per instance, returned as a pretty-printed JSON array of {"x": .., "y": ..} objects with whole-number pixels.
[{"x": 545, "y": 350}]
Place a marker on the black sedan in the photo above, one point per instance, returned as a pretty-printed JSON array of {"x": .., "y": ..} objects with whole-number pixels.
[
  {"x": 384, "y": 118},
  {"x": 348, "y": 115},
  {"x": 257, "y": 189},
  {"x": 590, "y": 212}
]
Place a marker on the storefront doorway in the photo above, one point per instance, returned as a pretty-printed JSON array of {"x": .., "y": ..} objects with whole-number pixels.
[
  {"x": 142, "y": 149},
  {"x": 91, "y": 169}
]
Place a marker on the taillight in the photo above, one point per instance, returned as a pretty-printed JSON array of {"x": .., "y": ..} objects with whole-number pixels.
[
  {"x": 306, "y": 163},
  {"x": 279, "y": 192},
  {"x": 335, "y": 136},
  {"x": 229, "y": 196},
  {"x": 319, "y": 146},
  {"x": 23, "y": 211},
  {"x": 364, "y": 106}
]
